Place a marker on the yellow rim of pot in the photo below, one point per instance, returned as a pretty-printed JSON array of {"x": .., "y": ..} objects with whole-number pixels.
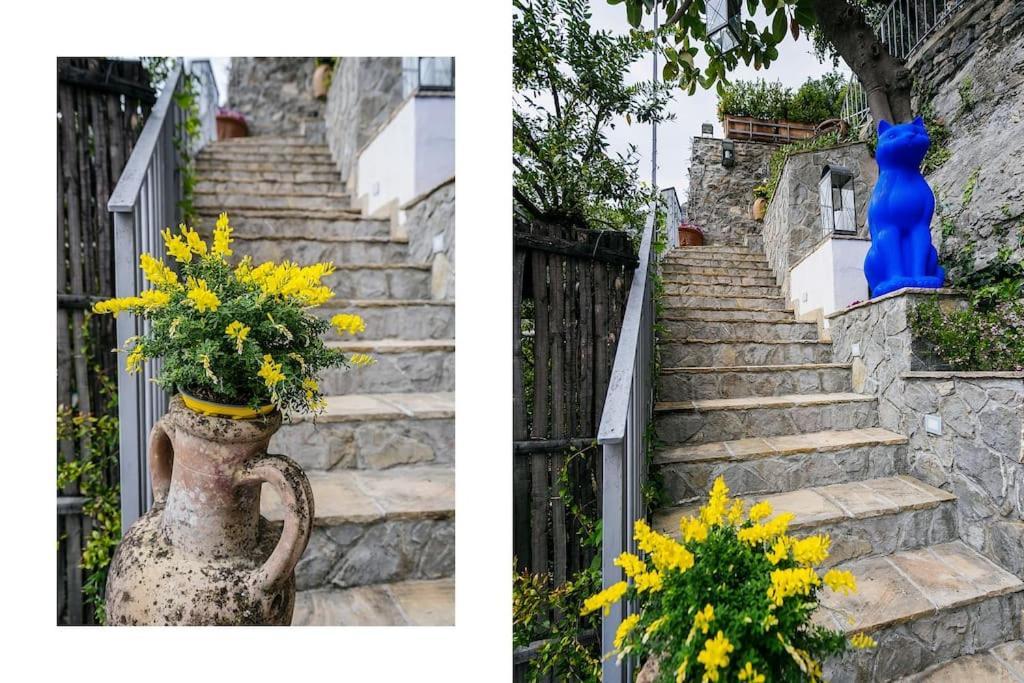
[{"x": 222, "y": 409}]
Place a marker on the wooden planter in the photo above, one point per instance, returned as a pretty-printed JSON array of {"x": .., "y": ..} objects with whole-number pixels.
[
  {"x": 690, "y": 236},
  {"x": 230, "y": 127},
  {"x": 759, "y": 130}
]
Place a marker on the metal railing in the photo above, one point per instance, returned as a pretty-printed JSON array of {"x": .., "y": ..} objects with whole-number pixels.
[
  {"x": 903, "y": 26},
  {"x": 209, "y": 99},
  {"x": 144, "y": 201},
  {"x": 627, "y": 413}
]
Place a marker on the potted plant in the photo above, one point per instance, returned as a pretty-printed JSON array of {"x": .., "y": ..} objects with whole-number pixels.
[
  {"x": 231, "y": 124},
  {"x": 760, "y": 206},
  {"x": 690, "y": 235},
  {"x": 731, "y": 601},
  {"x": 322, "y": 76},
  {"x": 240, "y": 346}
]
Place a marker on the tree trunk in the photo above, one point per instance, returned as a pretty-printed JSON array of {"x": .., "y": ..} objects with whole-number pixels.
[{"x": 885, "y": 78}]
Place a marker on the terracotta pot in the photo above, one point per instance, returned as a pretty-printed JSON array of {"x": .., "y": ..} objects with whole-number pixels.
[
  {"x": 204, "y": 555},
  {"x": 321, "y": 80},
  {"x": 759, "y": 209},
  {"x": 230, "y": 127},
  {"x": 690, "y": 236}
]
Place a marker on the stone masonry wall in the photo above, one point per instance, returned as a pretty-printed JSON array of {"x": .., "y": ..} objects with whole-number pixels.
[
  {"x": 276, "y": 95},
  {"x": 427, "y": 217},
  {"x": 364, "y": 92},
  {"x": 974, "y": 68},
  {"x": 792, "y": 224},
  {"x": 720, "y": 198},
  {"x": 978, "y": 457}
]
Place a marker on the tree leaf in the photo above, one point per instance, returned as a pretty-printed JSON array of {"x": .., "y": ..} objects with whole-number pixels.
[
  {"x": 751, "y": 7},
  {"x": 779, "y": 26},
  {"x": 804, "y": 13},
  {"x": 634, "y": 12},
  {"x": 670, "y": 71},
  {"x": 770, "y": 5},
  {"x": 794, "y": 28}
]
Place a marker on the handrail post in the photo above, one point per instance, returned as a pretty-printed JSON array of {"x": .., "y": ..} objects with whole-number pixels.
[{"x": 612, "y": 545}]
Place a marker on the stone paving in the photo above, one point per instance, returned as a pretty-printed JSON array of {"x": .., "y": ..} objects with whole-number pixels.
[{"x": 791, "y": 428}]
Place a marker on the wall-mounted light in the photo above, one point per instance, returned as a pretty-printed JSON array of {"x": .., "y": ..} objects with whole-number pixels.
[
  {"x": 835, "y": 190},
  {"x": 728, "y": 153},
  {"x": 933, "y": 424},
  {"x": 707, "y": 129}
]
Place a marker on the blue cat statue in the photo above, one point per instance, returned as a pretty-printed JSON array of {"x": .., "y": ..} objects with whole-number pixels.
[{"x": 900, "y": 213}]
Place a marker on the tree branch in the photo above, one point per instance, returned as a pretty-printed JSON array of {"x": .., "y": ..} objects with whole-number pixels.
[{"x": 680, "y": 13}]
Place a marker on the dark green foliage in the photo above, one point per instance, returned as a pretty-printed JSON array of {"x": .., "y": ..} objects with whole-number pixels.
[{"x": 817, "y": 100}]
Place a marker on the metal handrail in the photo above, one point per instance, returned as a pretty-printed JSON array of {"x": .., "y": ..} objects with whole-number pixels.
[
  {"x": 145, "y": 199},
  {"x": 627, "y": 413}
]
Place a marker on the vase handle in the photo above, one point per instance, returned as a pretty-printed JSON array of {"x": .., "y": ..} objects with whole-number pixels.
[
  {"x": 296, "y": 496},
  {"x": 161, "y": 462}
]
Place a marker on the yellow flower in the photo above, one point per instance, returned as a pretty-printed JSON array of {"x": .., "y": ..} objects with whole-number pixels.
[
  {"x": 270, "y": 371},
  {"x": 631, "y": 564},
  {"x": 348, "y": 322},
  {"x": 749, "y": 673},
  {"x": 648, "y": 581},
  {"x": 840, "y": 580},
  {"x": 238, "y": 331},
  {"x": 681, "y": 671},
  {"x": 735, "y": 514},
  {"x": 361, "y": 359},
  {"x": 811, "y": 551},
  {"x": 117, "y": 306},
  {"x": 152, "y": 299},
  {"x": 173, "y": 328},
  {"x": 862, "y": 641},
  {"x": 605, "y": 599},
  {"x": 693, "y": 530},
  {"x": 133, "y": 363},
  {"x": 779, "y": 551},
  {"x": 789, "y": 582},
  {"x": 205, "y": 359},
  {"x": 222, "y": 237},
  {"x": 624, "y": 629},
  {"x": 702, "y": 620},
  {"x": 654, "y": 626},
  {"x": 665, "y": 553},
  {"x": 768, "y": 531},
  {"x": 713, "y": 512},
  {"x": 201, "y": 296},
  {"x": 760, "y": 511},
  {"x": 176, "y": 247},
  {"x": 157, "y": 272},
  {"x": 312, "y": 388},
  {"x": 194, "y": 241},
  {"x": 715, "y": 656}
]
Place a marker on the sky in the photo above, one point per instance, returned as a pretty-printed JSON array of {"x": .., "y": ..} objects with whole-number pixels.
[{"x": 795, "y": 64}]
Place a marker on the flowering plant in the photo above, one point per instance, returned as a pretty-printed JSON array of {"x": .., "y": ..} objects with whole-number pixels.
[
  {"x": 240, "y": 335},
  {"x": 732, "y": 601}
]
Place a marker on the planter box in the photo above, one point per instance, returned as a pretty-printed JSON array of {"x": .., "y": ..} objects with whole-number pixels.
[
  {"x": 759, "y": 130},
  {"x": 231, "y": 127}
]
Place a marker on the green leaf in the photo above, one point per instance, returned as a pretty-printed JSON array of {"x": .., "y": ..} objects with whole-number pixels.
[
  {"x": 751, "y": 7},
  {"x": 804, "y": 13},
  {"x": 670, "y": 71},
  {"x": 634, "y": 13},
  {"x": 794, "y": 27},
  {"x": 770, "y": 5},
  {"x": 779, "y": 26}
]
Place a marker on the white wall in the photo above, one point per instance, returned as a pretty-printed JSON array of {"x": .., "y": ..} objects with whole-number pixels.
[
  {"x": 829, "y": 278},
  {"x": 410, "y": 155}
]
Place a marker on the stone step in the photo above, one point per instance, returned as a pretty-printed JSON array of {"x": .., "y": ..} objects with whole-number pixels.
[
  {"x": 373, "y": 431},
  {"x": 404, "y": 603},
  {"x": 788, "y": 330},
  {"x": 715, "y": 314},
  {"x": 341, "y": 249},
  {"x": 225, "y": 166},
  {"x": 672, "y": 289},
  {"x": 697, "y": 422},
  {"x": 293, "y": 140},
  {"x": 774, "y": 303},
  {"x": 713, "y": 249},
  {"x": 717, "y": 279},
  {"x": 776, "y": 464},
  {"x": 681, "y": 270},
  {"x": 286, "y": 224},
  {"x": 278, "y": 147},
  {"x": 237, "y": 199},
  {"x": 687, "y": 256},
  {"x": 1002, "y": 664},
  {"x": 877, "y": 516},
  {"x": 396, "y": 318},
  {"x": 274, "y": 175},
  {"x": 376, "y": 526},
  {"x": 923, "y": 607},
  {"x": 380, "y": 281},
  {"x": 734, "y": 265},
  {"x": 401, "y": 365},
  {"x": 264, "y": 156},
  {"x": 690, "y": 384},
  {"x": 224, "y": 184},
  {"x": 689, "y": 352}
]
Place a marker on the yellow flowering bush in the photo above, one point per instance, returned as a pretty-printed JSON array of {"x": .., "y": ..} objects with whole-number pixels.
[
  {"x": 732, "y": 601},
  {"x": 241, "y": 334}
]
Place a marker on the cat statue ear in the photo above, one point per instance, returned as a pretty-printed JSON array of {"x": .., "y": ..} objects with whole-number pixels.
[
  {"x": 919, "y": 122},
  {"x": 883, "y": 126}
]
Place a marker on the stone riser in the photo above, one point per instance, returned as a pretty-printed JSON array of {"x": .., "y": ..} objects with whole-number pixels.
[
  {"x": 262, "y": 156},
  {"x": 686, "y": 482},
  {"x": 739, "y": 329},
  {"x": 227, "y": 201},
  {"x": 274, "y": 175},
  {"x": 674, "y": 289},
  {"x": 726, "y": 354},
  {"x": 690, "y": 300},
  {"x": 380, "y": 283},
  {"x": 366, "y": 444},
  {"x": 249, "y": 226},
  {"x": 222, "y": 167},
  {"x": 715, "y": 269},
  {"x": 305, "y": 252},
  {"x": 394, "y": 372},
  {"x": 684, "y": 386},
  {"x": 887, "y": 534},
  {"x": 691, "y": 427},
  {"x": 226, "y": 185},
  {"x": 412, "y": 321},
  {"x": 723, "y": 315},
  {"x": 355, "y": 554},
  {"x": 722, "y": 258},
  {"x": 712, "y": 249},
  {"x": 723, "y": 279},
  {"x": 907, "y": 648}
]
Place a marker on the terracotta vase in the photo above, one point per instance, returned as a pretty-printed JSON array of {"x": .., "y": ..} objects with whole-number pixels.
[
  {"x": 203, "y": 555},
  {"x": 758, "y": 210},
  {"x": 320, "y": 80},
  {"x": 231, "y": 127},
  {"x": 690, "y": 236}
]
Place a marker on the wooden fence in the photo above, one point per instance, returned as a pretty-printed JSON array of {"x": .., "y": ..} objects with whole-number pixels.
[{"x": 101, "y": 106}]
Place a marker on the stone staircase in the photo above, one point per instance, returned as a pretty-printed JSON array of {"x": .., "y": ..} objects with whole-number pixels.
[
  {"x": 749, "y": 393},
  {"x": 381, "y": 458}
]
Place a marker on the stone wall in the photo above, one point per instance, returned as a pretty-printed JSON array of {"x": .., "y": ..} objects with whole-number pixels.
[
  {"x": 720, "y": 198},
  {"x": 428, "y": 218},
  {"x": 792, "y": 224},
  {"x": 978, "y": 457},
  {"x": 974, "y": 71},
  {"x": 276, "y": 95},
  {"x": 364, "y": 92}
]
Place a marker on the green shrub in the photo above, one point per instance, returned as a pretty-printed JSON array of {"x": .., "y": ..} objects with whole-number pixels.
[{"x": 816, "y": 100}]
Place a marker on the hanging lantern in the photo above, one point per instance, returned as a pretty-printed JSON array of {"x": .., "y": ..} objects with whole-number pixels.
[
  {"x": 835, "y": 190},
  {"x": 723, "y": 23},
  {"x": 728, "y": 153}
]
